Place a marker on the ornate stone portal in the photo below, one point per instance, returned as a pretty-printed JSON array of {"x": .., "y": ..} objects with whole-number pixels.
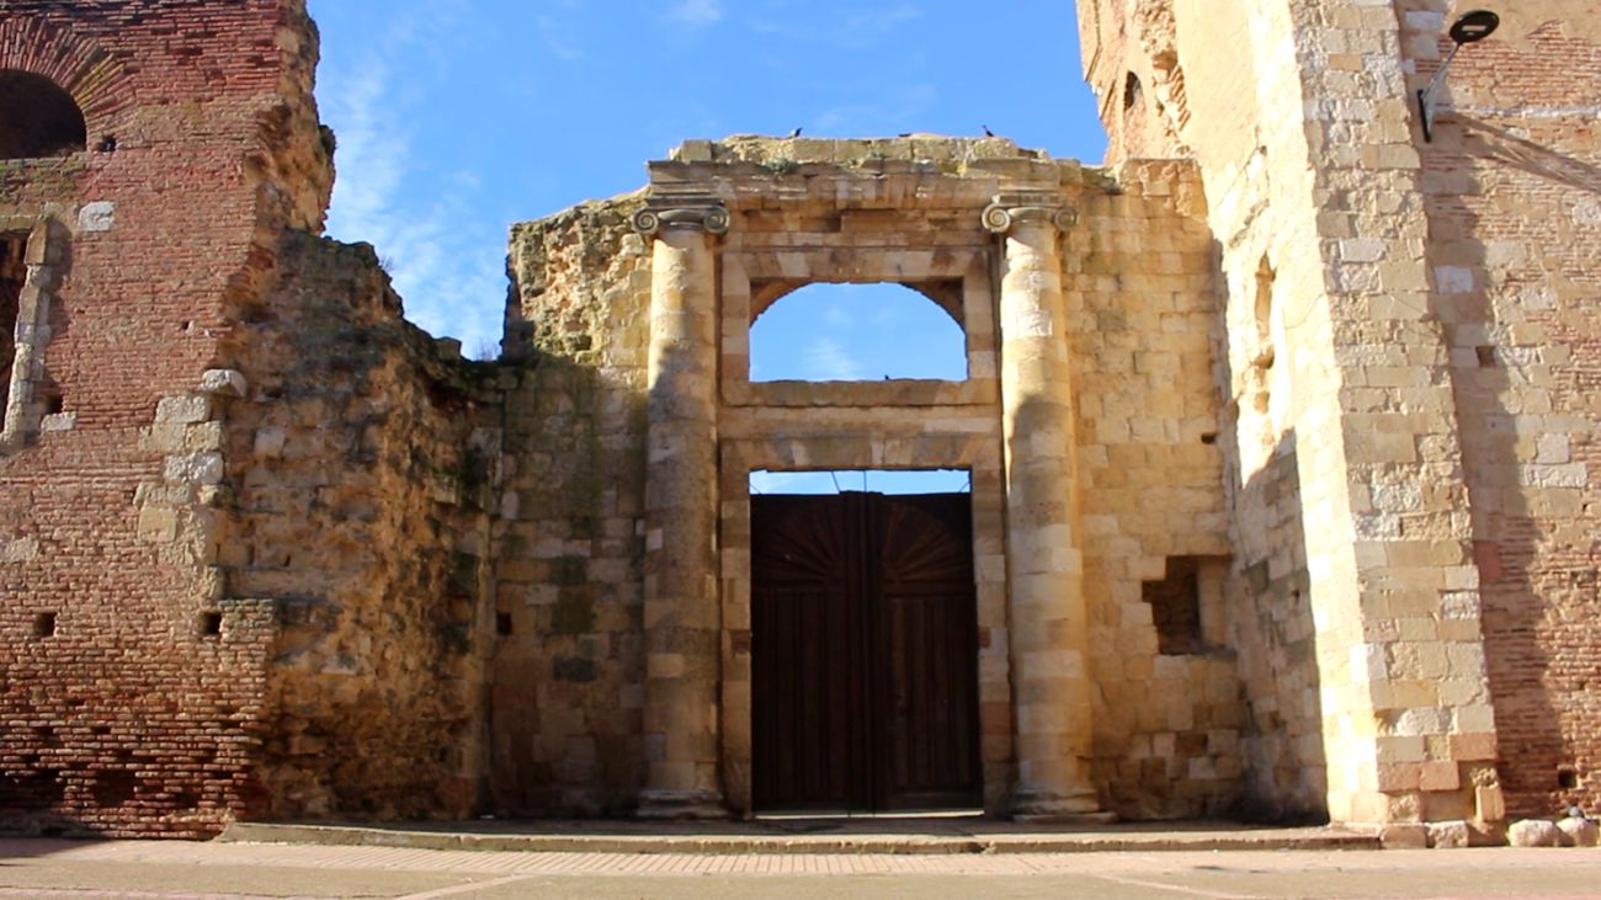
[{"x": 990, "y": 234}]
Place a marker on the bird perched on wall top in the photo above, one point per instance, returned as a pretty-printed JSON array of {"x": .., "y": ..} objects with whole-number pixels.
[
  {"x": 795, "y": 133},
  {"x": 987, "y": 132}
]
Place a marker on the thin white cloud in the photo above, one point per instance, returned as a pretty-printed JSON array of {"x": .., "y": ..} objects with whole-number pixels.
[
  {"x": 836, "y": 317},
  {"x": 696, "y": 13},
  {"x": 902, "y": 110},
  {"x": 859, "y": 28},
  {"x": 558, "y": 38},
  {"x": 827, "y": 360},
  {"x": 448, "y": 267}
]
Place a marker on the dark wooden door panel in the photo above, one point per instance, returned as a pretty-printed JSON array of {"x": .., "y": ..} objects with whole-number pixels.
[
  {"x": 804, "y": 572},
  {"x": 864, "y": 653},
  {"x": 926, "y": 609}
]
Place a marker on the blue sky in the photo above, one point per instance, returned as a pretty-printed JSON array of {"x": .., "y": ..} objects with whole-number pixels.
[{"x": 456, "y": 118}]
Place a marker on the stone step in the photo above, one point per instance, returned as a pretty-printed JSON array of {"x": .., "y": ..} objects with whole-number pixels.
[{"x": 864, "y": 838}]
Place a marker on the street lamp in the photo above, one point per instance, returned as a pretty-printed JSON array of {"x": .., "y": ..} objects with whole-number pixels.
[{"x": 1470, "y": 28}]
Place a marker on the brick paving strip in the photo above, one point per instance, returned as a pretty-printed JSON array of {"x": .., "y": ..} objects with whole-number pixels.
[{"x": 201, "y": 871}]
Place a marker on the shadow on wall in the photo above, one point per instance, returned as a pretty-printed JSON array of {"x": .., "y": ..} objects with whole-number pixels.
[
  {"x": 564, "y": 703},
  {"x": 1269, "y": 590},
  {"x": 1538, "y": 591},
  {"x": 1273, "y": 628}
]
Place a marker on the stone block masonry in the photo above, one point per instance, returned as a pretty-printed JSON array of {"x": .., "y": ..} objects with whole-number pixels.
[{"x": 1279, "y": 428}]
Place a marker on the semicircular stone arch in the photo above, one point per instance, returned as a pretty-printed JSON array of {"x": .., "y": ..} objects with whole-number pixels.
[
  {"x": 946, "y": 294},
  {"x": 851, "y": 331},
  {"x": 81, "y": 69}
]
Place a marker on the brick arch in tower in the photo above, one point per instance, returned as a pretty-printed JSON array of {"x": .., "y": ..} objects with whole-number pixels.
[{"x": 95, "y": 79}]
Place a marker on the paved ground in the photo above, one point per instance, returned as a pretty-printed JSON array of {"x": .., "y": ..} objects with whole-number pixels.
[{"x": 142, "y": 869}]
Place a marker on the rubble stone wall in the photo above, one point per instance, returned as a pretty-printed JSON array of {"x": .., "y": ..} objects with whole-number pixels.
[{"x": 1144, "y": 321}]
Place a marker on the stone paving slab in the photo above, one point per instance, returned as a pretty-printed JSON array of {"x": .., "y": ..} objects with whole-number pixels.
[{"x": 870, "y": 837}]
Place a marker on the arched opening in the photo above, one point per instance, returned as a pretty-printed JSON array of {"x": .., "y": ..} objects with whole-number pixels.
[
  {"x": 857, "y": 332},
  {"x": 1133, "y": 92},
  {"x": 38, "y": 118}
]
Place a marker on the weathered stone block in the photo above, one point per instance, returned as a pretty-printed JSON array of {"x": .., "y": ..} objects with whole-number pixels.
[{"x": 1534, "y": 833}]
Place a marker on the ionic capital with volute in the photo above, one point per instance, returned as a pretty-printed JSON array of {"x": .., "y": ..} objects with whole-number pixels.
[
  {"x": 1010, "y": 210},
  {"x": 673, "y": 212}
]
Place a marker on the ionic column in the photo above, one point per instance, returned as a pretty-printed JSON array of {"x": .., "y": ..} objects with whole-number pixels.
[
  {"x": 1049, "y": 626},
  {"x": 682, "y": 612}
]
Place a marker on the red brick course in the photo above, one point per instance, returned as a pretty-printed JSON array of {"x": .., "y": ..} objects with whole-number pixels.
[{"x": 126, "y": 719}]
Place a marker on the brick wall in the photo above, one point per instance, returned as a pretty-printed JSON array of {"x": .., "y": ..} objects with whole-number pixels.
[
  {"x": 1510, "y": 188},
  {"x": 127, "y": 718}
]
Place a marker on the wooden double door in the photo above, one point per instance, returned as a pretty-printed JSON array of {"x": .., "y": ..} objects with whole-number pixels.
[{"x": 864, "y": 654}]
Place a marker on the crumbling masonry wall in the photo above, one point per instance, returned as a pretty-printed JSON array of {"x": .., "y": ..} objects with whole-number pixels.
[
  {"x": 567, "y": 665},
  {"x": 240, "y": 499},
  {"x": 359, "y": 480}
]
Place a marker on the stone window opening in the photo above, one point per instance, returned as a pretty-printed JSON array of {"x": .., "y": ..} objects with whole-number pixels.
[
  {"x": 857, "y": 332},
  {"x": 1187, "y": 605},
  {"x": 211, "y": 624},
  {"x": 1266, "y": 347},
  {"x": 1133, "y": 92},
  {"x": 40, "y": 119},
  {"x": 44, "y": 625}
]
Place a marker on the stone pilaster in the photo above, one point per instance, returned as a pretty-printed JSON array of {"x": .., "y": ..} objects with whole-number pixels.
[
  {"x": 1049, "y": 625},
  {"x": 682, "y": 613}
]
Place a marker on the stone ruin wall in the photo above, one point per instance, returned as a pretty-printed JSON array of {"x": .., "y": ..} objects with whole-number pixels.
[
  {"x": 1469, "y": 252},
  {"x": 567, "y": 668},
  {"x": 1143, "y": 319},
  {"x": 1512, "y": 192},
  {"x": 240, "y": 585},
  {"x": 566, "y": 671},
  {"x": 120, "y": 717},
  {"x": 360, "y": 475}
]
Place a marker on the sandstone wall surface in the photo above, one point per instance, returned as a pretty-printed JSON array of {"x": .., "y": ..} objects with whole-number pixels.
[
  {"x": 1446, "y": 314},
  {"x": 567, "y": 667},
  {"x": 361, "y": 462}
]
